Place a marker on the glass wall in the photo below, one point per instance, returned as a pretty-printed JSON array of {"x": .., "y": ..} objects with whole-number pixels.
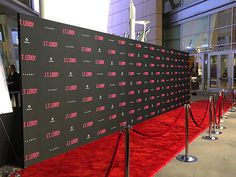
[
  {"x": 194, "y": 42},
  {"x": 213, "y": 35},
  {"x": 234, "y": 30},
  {"x": 220, "y": 39},
  {"x": 220, "y": 19},
  {"x": 172, "y": 33},
  {"x": 186, "y": 2},
  {"x": 220, "y": 30},
  {"x": 235, "y": 15},
  {"x": 170, "y": 5},
  {"x": 1, "y": 33},
  {"x": 172, "y": 37},
  {"x": 195, "y": 26},
  {"x": 173, "y": 44},
  {"x": 195, "y": 34},
  {"x": 214, "y": 32},
  {"x": 235, "y": 70},
  {"x": 234, "y": 37},
  {"x": 1, "y": 41}
]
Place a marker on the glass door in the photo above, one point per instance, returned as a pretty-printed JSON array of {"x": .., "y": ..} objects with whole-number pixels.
[
  {"x": 213, "y": 74},
  {"x": 234, "y": 71},
  {"x": 219, "y": 71},
  {"x": 199, "y": 65},
  {"x": 225, "y": 79}
]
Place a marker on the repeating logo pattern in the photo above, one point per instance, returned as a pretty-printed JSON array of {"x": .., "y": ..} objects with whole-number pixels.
[{"x": 79, "y": 85}]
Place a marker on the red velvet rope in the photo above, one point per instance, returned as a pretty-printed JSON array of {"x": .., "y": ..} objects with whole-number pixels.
[
  {"x": 162, "y": 133},
  {"x": 194, "y": 120},
  {"x": 114, "y": 155}
]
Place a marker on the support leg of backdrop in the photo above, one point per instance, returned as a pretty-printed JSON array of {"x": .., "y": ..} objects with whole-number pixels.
[
  {"x": 127, "y": 150},
  {"x": 186, "y": 157},
  {"x": 210, "y": 137}
]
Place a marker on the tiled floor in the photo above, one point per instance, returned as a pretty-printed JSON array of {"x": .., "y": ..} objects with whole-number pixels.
[{"x": 215, "y": 158}]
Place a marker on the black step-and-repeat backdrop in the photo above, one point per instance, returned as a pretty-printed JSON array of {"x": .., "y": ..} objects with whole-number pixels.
[{"x": 79, "y": 85}]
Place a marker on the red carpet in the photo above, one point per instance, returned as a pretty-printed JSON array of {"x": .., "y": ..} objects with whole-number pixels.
[{"x": 148, "y": 155}]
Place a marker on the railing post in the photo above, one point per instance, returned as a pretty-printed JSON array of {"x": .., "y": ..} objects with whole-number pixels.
[
  {"x": 214, "y": 131},
  {"x": 223, "y": 104},
  {"x": 210, "y": 137},
  {"x": 127, "y": 150},
  {"x": 232, "y": 101},
  {"x": 221, "y": 127},
  {"x": 186, "y": 157}
]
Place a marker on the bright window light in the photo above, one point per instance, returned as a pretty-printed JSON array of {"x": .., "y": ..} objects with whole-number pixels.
[
  {"x": 6, "y": 106},
  {"x": 91, "y": 14}
]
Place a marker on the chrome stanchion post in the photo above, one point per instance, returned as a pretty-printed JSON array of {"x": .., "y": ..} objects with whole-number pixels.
[
  {"x": 186, "y": 158},
  {"x": 210, "y": 137},
  {"x": 232, "y": 101},
  {"x": 127, "y": 150},
  {"x": 214, "y": 131},
  {"x": 221, "y": 105},
  {"x": 223, "y": 116},
  {"x": 221, "y": 127}
]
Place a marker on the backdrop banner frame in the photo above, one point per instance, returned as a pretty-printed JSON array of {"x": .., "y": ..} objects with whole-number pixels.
[{"x": 79, "y": 85}]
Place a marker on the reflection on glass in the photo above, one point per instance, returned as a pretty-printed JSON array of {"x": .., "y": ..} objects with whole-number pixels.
[
  {"x": 224, "y": 71},
  {"x": 14, "y": 36},
  {"x": 221, "y": 36},
  {"x": 1, "y": 33},
  {"x": 205, "y": 74},
  {"x": 234, "y": 34},
  {"x": 194, "y": 41},
  {"x": 199, "y": 61},
  {"x": 167, "y": 6},
  {"x": 213, "y": 71},
  {"x": 235, "y": 70},
  {"x": 186, "y": 2},
  {"x": 173, "y": 44},
  {"x": 195, "y": 26},
  {"x": 220, "y": 19},
  {"x": 1, "y": 51},
  {"x": 172, "y": 33},
  {"x": 234, "y": 47},
  {"x": 235, "y": 15},
  {"x": 170, "y": 5}
]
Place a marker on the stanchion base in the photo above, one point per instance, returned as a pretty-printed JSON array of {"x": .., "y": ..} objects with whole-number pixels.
[
  {"x": 222, "y": 121},
  {"x": 221, "y": 127},
  {"x": 189, "y": 159},
  {"x": 210, "y": 138},
  {"x": 224, "y": 117},
  {"x": 215, "y": 132}
]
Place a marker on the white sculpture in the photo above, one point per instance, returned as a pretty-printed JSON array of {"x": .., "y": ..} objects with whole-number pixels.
[{"x": 132, "y": 22}]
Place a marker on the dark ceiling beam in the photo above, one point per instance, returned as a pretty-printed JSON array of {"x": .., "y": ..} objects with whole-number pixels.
[{"x": 18, "y": 7}]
